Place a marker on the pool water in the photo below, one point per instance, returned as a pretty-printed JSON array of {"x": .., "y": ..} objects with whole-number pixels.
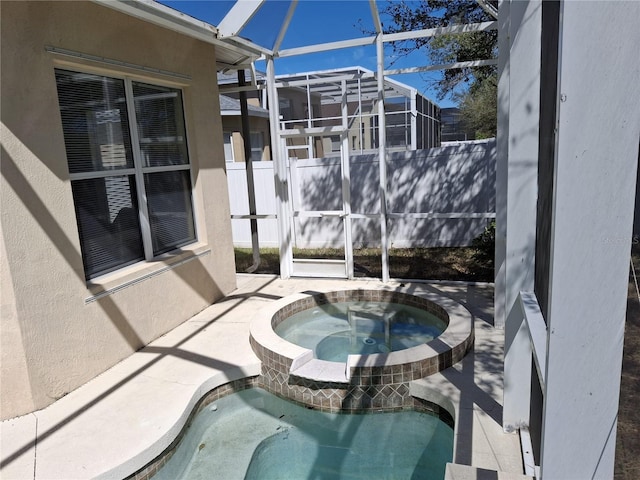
[
  {"x": 256, "y": 435},
  {"x": 336, "y": 330}
]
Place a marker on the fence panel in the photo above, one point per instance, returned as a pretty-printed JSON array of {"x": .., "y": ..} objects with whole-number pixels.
[
  {"x": 448, "y": 191},
  {"x": 265, "y": 203}
]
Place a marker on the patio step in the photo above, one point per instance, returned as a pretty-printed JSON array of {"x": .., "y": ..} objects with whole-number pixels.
[{"x": 456, "y": 471}]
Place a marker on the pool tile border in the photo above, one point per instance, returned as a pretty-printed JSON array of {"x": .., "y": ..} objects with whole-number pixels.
[{"x": 149, "y": 470}]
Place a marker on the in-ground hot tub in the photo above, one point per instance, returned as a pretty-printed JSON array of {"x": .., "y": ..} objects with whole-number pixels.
[
  {"x": 378, "y": 375},
  {"x": 333, "y": 331}
]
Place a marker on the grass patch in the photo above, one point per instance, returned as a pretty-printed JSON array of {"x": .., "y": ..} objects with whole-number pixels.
[{"x": 269, "y": 260}]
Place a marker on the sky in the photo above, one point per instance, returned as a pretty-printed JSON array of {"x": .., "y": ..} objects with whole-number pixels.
[{"x": 315, "y": 21}]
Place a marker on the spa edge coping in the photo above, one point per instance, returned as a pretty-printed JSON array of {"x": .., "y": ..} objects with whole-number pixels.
[{"x": 303, "y": 363}]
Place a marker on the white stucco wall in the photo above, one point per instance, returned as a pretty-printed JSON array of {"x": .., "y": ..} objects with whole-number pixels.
[
  {"x": 53, "y": 337},
  {"x": 596, "y": 157},
  {"x": 587, "y": 155},
  {"x": 521, "y": 195}
]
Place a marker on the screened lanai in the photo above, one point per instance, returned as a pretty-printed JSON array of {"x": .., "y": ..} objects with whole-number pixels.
[
  {"x": 565, "y": 177},
  {"x": 561, "y": 180},
  {"x": 564, "y": 194},
  {"x": 330, "y": 123},
  {"x": 412, "y": 121}
]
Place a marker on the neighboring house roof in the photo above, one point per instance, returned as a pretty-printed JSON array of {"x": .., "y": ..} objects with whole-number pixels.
[
  {"x": 231, "y": 77},
  {"x": 231, "y": 107}
]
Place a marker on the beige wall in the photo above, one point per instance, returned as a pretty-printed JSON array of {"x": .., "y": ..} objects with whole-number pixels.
[
  {"x": 233, "y": 124},
  {"x": 53, "y": 339}
]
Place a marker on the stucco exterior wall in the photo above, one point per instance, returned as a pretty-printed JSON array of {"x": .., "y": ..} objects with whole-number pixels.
[
  {"x": 233, "y": 125},
  {"x": 57, "y": 330}
]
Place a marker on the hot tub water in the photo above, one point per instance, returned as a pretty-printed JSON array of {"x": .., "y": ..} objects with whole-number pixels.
[{"x": 336, "y": 330}]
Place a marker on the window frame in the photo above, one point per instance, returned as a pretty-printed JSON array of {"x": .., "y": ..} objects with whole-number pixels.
[
  {"x": 139, "y": 170},
  {"x": 256, "y": 134},
  {"x": 224, "y": 144}
]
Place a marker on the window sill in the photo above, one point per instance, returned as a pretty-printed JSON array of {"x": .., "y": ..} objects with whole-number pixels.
[{"x": 133, "y": 274}]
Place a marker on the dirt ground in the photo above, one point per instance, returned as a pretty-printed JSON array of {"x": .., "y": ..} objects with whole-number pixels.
[
  {"x": 628, "y": 440},
  {"x": 443, "y": 263}
]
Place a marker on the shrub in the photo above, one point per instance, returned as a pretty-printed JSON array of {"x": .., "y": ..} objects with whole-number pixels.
[{"x": 485, "y": 243}]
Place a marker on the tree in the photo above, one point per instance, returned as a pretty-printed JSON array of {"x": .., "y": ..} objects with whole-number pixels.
[
  {"x": 475, "y": 89},
  {"x": 479, "y": 106}
]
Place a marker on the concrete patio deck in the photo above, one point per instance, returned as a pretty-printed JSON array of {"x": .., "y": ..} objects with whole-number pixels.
[{"x": 126, "y": 417}]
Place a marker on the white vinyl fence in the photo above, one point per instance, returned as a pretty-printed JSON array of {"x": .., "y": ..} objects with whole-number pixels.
[{"x": 443, "y": 196}]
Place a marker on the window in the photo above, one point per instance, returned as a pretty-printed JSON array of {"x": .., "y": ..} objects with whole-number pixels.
[
  {"x": 336, "y": 143},
  {"x": 129, "y": 168},
  {"x": 286, "y": 112},
  {"x": 228, "y": 146},
  {"x": 257, "y": 146}
]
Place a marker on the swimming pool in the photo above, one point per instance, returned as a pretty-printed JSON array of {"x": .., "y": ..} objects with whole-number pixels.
[{"x": 253, "y": 434}]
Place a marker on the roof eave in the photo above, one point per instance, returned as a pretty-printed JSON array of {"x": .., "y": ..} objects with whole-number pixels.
[{"x": 227, "y": 55}]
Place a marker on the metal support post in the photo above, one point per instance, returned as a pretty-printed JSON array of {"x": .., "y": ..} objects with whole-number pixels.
[
  {"x": 251, "y": 190},
  {"x": 382, "y": 156},
  {"x": 346, "y": 182},
  {"x": 280, "y": 174}
]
